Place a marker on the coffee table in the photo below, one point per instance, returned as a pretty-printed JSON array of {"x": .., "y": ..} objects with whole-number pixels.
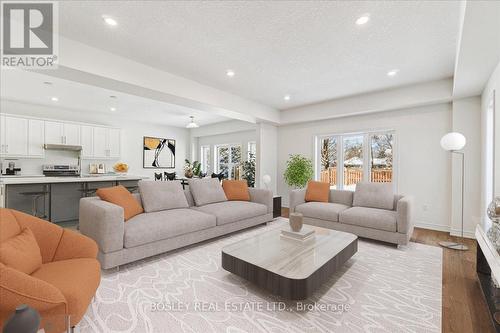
[{"x": 289, "y": 268}]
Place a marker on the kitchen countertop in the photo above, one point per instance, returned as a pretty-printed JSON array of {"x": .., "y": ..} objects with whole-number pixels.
[{"x": 40, "y": 179}]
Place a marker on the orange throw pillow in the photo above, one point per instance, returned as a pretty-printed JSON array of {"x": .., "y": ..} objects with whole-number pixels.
[
  {"x": 120, "y": 196},
  {"x": 21, "y": 252},
  {"x": 317, "y": 191},
  {"x": 236, "y": 190}
]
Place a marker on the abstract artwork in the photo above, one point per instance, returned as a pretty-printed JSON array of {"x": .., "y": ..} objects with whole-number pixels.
[{"x": 158, "y": 153}]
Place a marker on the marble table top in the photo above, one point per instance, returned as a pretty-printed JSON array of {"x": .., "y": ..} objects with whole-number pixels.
[{"x": 289, "y": 258}]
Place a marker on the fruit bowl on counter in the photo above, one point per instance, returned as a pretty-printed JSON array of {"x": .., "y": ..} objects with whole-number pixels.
[{"x": 121, "y": 168}]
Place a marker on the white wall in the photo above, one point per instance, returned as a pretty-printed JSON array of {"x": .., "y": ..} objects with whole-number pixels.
[
  {"x": 492, "y": 86},
  {"x": 131, "y": 144},
  {"x": 424, "y": 168},
  {"x": 241, "y": 138},
  {"x": 466, "y": 119}
]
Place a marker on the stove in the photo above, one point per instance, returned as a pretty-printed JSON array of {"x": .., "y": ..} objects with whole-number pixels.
[{"x": 61, "y": 170}]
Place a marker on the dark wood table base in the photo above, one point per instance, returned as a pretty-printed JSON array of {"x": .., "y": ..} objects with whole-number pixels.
[{"x": 294, "y": 289}]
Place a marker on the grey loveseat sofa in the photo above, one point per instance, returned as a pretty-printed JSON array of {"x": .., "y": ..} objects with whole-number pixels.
[
  {"x": 372, "y": 211},
  {"x": 159, "y": 231}
]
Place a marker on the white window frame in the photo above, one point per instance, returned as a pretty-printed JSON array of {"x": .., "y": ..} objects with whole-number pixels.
[
  {"x": 366, "y": 155},
  {"x": 202, "y": 158},
  {"x": 249, "y": 144},
  {"x": 230, "y": 163}
]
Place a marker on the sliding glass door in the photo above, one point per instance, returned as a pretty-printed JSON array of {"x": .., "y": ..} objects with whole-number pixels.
[{"x": 228, "y": 158}]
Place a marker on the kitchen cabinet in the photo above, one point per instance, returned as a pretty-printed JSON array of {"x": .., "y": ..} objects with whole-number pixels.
[
  {"x": 87, "y": 141},
  {"x": 36, "y": 138},
  {"x": 106, "y": 142},
  {"x": 65, "y": 202},
  {"x": 2, "y": 134},
  {"x": 114, "y": 139},
  {"x": 100, "y": 146},
  {"x": 14, "y": 136},
  {"x": 21, "y": 137},
  {"x": 62, "y": 133}
]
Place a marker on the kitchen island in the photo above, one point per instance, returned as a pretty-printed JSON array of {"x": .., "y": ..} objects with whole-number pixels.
[{"x": 56, "y": 199}]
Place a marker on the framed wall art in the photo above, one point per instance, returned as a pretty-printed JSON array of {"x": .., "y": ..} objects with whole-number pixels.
[{"x": 158, "y": 153}]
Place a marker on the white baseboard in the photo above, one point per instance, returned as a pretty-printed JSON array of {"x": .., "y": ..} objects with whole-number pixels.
[{"x": 440, "y": 227}]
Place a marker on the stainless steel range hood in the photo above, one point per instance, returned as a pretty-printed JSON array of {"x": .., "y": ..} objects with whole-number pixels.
[{"x": 52, "y": 146}]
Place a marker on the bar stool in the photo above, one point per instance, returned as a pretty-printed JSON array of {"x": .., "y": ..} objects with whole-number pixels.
[{"x": 35, "y": 195}]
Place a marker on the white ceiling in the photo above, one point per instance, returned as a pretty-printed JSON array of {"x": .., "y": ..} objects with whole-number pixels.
[
  {"x": 311, "y": 50},
  {"x": 29, "y": 87}
]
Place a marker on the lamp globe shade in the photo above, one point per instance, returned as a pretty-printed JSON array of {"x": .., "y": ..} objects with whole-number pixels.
[
  {"x": 266, "y": 179},
  {"x": 453, "y": 141}
]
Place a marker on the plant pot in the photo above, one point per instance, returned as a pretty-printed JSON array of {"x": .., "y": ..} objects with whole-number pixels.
[
  {"x": 188, "y": 173},
  {"x": 296, "y": 221}
]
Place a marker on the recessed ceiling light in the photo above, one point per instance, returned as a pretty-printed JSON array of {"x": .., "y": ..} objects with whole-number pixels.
[
  {"x": 54, "y": 99},
  {"x": 393, "y": 72},
  {"x": 287, "y": 97},
  {"x": 112, "y": 109},
  {"x": 110, "y": 21},
  {"x": 47, "y": 83},
  {"x": 363, "y": 19},
  {"x": 230, "y": 73}
]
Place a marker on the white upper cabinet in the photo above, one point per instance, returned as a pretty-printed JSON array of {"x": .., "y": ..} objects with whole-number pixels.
[
  {"x": 54, "y": 132},
  {"x": 106, "y": 143},
  {"x": 21, "y": 137},
  {"x": 87, "y": 141},
  {"x": 71, "y": 134},
  {"x": 2, "y": 134},
  {"x": 16, "y": 136},
  {"x": 36, "y": 137},
  {"x": 25, "y": 137},
  {"x": 62, "y": 133},
  {"x": 114, "y": 139},
  {"x": 100, "y": 142}
]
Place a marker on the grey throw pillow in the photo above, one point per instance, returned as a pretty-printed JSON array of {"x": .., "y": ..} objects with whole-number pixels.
[
  {"x": 206, "y": 191},
  {"x": 158, "y": 195},
  {"x": 374, "y": 195}
]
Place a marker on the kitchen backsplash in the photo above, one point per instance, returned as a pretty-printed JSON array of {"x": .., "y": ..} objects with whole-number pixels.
[{"x": 32, "y": 166}]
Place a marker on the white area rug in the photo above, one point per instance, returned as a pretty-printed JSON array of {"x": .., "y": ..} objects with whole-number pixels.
[{"x": 380, "y": 289}]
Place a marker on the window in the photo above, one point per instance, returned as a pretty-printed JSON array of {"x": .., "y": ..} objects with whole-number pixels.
[
  {"x": 344, "y": 160},
  {"x": 228, "y": 160},
  {"x": 381, "y": 157},
  {"x": 329, "y": 161},
  {"x": 252, "y": 150},
  {"x": 205, "y": 159},
  {"x": 353, "y": 161}
]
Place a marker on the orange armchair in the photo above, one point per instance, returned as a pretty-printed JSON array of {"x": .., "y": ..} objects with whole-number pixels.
[{"x": 63, "y": 285}]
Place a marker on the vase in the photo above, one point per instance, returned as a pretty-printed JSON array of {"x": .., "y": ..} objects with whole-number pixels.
[
  {"x": 296, "y": 221},
  {"x": 188, "y": 173},
  {"x": 25, "y": 319},
  {"x": 494, "y": 210}
]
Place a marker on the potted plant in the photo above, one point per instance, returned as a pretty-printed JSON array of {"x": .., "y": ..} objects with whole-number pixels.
[
  {"x": 192, "y": 169},
  {"x": 299, "y": 170}
]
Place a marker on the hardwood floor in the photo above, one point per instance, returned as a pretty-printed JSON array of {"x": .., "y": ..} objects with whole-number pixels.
[{"x": 464, "y": 306}]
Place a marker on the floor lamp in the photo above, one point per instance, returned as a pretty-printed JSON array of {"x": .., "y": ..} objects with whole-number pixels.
[{"x": 454, "y": 142}]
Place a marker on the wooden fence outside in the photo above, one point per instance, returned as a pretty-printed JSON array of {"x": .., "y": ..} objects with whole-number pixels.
[{"x": 355, "y": 175}]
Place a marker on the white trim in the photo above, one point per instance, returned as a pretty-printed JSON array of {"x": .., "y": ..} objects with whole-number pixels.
[
  {"x": 445, "y": 228},
  {"x": 340, "y": 137}
]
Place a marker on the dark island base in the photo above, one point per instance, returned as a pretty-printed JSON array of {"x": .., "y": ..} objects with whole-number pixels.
[
  {"x": 294, "y": 289},
  {"x": 490, "y": 291}
]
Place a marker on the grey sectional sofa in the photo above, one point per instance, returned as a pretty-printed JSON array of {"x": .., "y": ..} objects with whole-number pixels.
[
  {"x": 372, "y": 211},
  {"x": 158, "y": 231}
]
